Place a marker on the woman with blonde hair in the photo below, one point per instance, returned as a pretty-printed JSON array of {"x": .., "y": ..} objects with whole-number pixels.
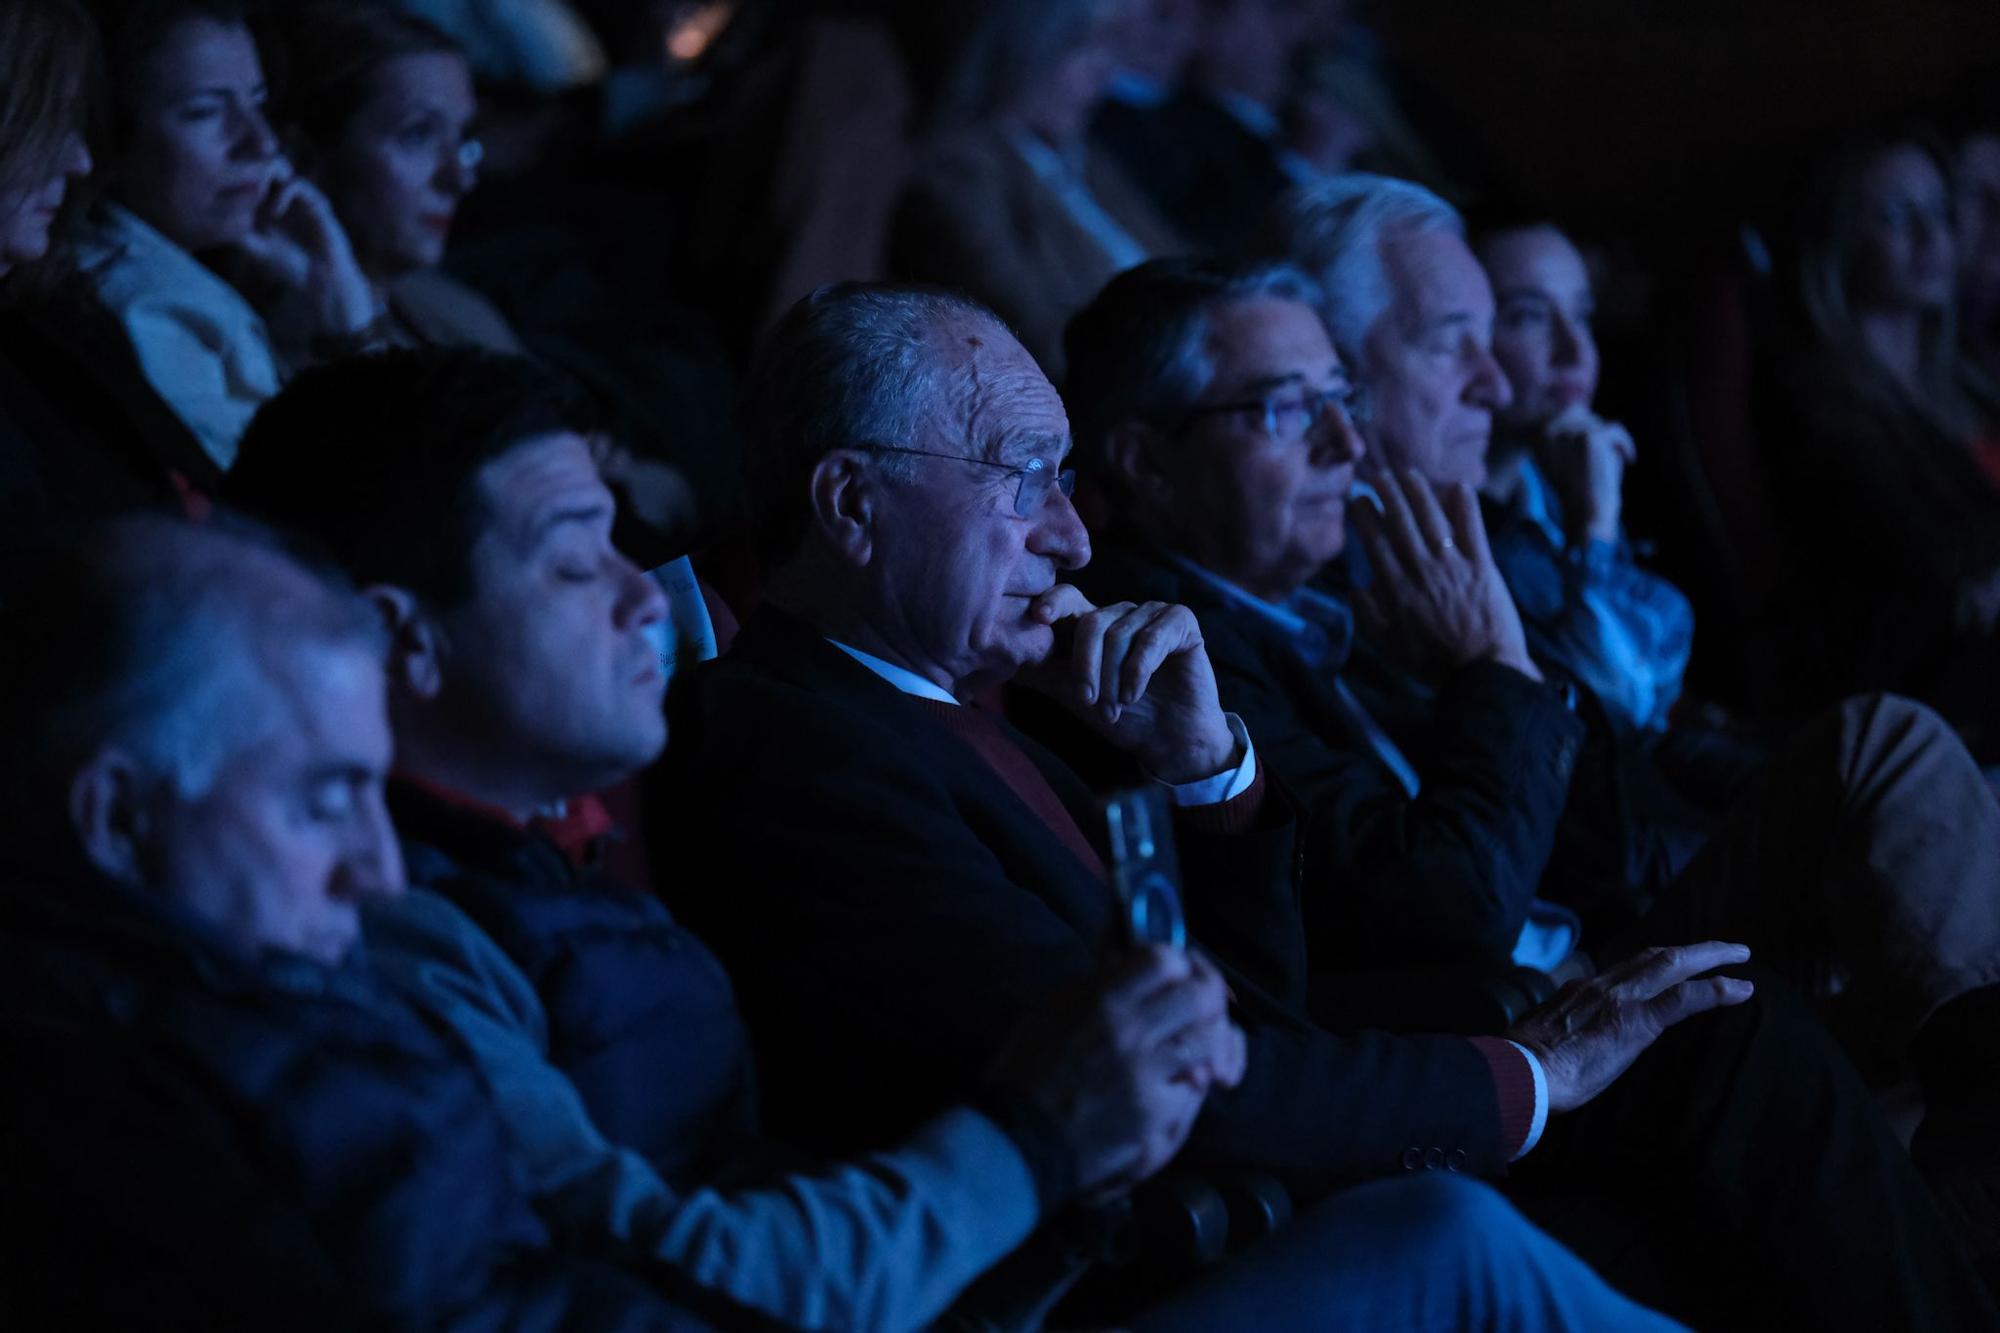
[
  {"x": 1890, "y": 471},
  {"x": 1012, "y": 203},
  {"x": 81, "y": 434}
]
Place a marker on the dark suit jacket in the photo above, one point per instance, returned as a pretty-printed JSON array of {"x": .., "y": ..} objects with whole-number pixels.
[
  {"x": 889, "y": 908},
  {"x": 1390, "y": 881},
  {"x": 1212, "y": 179}
]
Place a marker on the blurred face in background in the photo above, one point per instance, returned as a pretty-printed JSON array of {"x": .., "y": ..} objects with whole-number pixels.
[
  {"x": 1057, "y": 105},
  {"x": 1905, "y": 255},
  {"x": 404, "y": 161},
  {"x": 1979, "y": 216},
  {"x": 1156, "y": 37},
  {"x": 201, "y": 153},
  {"x": 1541, "y": 331},
  {"x": 28, "y": 207},
  {"x": 1245, "y": 48}
]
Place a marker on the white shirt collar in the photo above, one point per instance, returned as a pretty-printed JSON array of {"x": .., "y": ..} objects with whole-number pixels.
[{"x": 909, "y": 682}]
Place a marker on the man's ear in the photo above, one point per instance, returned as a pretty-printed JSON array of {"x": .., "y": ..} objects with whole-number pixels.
[
  {"x": 1132, "y": 452},
  {"x": 416, "y": 645},
  {"x": 843, "y": 495},
  {"x": 110, "y": 810}
]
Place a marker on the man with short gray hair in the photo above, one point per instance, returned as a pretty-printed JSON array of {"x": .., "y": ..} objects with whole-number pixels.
[
  {"x": 1427, "y": 845},
  {"x": 1410, "y": 311},
  {"x": 217, "y": 1119},
  {"x": 896, "y": 872}
]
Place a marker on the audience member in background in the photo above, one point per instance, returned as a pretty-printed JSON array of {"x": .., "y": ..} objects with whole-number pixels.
[
  {"x": 81, "y": 433},
  {"x": 524, "y": 675},
  {"x": 1012, "y": 203},
  {"x": 1412, "y": 314},
  {"x": 1211, "y": 398},
  {"x": 221, "y": 1119},
  {"x": 1152, "y": 42},
  {"x": 1890, "y": 470},
  {"x": 888, "y": 907},
  {"x": 1214, "y": 157},
  {"x": 193, "y": 177},
  {"x": 382, "y": 107},
  {"x": 811, "y": 147},
  {"x": 1976, "y": 187},
  {"x": 1555, "y": 476}
]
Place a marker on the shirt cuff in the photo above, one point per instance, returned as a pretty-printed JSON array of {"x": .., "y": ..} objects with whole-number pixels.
[
  {"x": 1541, "y": 1120},
  {"x": 1224, "y": 786},
  {"x": 1522, "y": 1089}
]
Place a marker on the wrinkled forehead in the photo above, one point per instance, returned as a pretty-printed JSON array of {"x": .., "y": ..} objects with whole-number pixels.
[
  {"x": 997, "y": 403},
  {"x": 1259, "y": 338},
  {"x": 326, "y": 704},
  {"x": 1433, "y": 277},
  {"x": 536, "y": 478}
]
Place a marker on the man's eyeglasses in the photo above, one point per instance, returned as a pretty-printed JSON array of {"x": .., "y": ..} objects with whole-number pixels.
[
  {"x": 1034, "y": 478},
  {"x": 1287, "y": 417}
]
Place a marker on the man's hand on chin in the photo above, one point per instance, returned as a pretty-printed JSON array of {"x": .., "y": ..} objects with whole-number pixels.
[{"x": 1140, "y": 676}]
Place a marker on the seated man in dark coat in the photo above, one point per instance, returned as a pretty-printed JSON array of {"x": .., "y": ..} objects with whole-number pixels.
[
  {"x": 524, "y": 671},
  {"x": 1219, "y": 417},
  {"x": 898, "y": 873},
  {"x": 517, "y": 682},
  {"x": 218, "y": 1119}
]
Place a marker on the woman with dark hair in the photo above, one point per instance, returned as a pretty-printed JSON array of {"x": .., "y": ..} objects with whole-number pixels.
[
  {"x": 381, "y": 110},
  {"x": 195, "y": 185},
  {"x": 81, "y": 433},
  {"x": 1889, "y": 472}
]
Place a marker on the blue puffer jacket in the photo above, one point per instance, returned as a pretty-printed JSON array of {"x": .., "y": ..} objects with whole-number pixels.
[
  {"x": 190, "y": 1140},
  {"x": 642, "y": 1018}
]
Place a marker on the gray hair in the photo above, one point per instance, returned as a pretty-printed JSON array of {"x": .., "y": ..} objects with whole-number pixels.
[
  {"x": 154, "y": 638},
  {"x": 1140, "y": 351},
  {"x": 851, "y": 364},
  {"x": 1335, "y": 230}
]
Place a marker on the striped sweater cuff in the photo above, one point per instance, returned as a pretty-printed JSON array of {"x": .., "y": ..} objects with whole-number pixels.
[{"x": 1514, "y": 1088}]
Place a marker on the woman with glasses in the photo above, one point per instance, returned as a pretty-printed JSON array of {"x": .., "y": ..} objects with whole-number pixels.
[
  {"x": 381, "y": 110},
  {"x": 222, "y": 264},
  {"x": 1554, "y": 486}
]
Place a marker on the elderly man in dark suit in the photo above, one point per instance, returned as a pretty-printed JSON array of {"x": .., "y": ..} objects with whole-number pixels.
[
  {"x": 897, "y": 871},
  {"x": 1220, "y": 418}
]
